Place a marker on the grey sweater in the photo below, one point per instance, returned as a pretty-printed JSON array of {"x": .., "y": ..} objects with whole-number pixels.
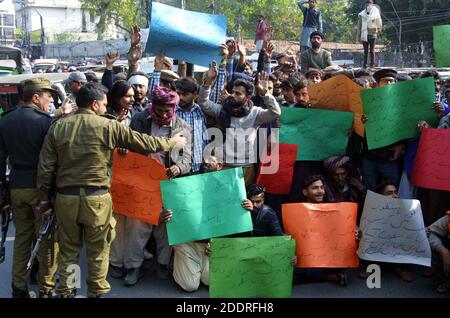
[
  {"x": 439, "y": 230},
  {"x": 242, "y": 153}
]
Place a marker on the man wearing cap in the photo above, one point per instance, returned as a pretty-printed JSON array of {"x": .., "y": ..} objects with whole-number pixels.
[
  {"x": 315, "y": 57},
  {"x": 364, "y": 77},
  {"x": 312, "y": 21},
  {"x": 76, "y": 159},
  {"x": 314, "y": 76},
  {"x": 74, "y": 82},
  {"x": 385, "y": 77},
  {"x": 369, "y": 24},
  {"x": 381, "y": 163},
  {"x": 22, "y": 132}
]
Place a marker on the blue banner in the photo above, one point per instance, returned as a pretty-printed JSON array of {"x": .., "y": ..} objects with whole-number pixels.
[{"x": 186, "y": 35}]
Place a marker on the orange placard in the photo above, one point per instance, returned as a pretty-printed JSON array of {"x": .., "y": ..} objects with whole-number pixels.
[
  {"x": 135, "y": 187},
  {"x": 339, "y": 93},
  {"x": 324, "y": 233}
]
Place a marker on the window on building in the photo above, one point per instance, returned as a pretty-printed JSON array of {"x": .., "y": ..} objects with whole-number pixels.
[
  {"x": 8, "y": 33},
  {"x": 8, "y": 20}
]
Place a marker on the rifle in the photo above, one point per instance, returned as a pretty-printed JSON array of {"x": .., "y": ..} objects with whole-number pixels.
[
  {"x": 6, "y": 217},
  {"x": 43, "y": 230},
  {"x": 5, "y": 210}
]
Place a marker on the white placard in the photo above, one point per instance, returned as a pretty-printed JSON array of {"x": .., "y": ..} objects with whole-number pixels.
[{"x": 393, "y": 231}]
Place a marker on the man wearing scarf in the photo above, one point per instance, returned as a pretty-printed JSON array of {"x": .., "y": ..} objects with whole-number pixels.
[
  {"x": 240, "y": 119},
  {"x": 369, "y": 24},
  {"x": 158, "y": 119}
]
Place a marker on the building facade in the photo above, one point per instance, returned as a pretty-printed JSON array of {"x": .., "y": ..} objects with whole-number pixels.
[
  {"x": 7, "y": 22},
  {"x": 55, "y": 21}
]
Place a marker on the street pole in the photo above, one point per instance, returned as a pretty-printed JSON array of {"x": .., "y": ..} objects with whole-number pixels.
[
  {"x": 26, "y": 42},
  {"x": 42, "y": 36},
  {"x": 183, "y": 70}
]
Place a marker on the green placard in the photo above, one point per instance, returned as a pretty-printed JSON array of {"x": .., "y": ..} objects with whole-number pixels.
[
  {"x": 394, "y": 111},
  {"x": 441, "y": 43},
  {"x": 206, "y": 205},
  {"x": 251, "y": 267},
  {"x": 318, "y": 133}
]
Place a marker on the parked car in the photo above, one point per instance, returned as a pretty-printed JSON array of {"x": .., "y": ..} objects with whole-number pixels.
[
  {"x": 12, "y": 61},
  {"x": 45, "y": 64}
]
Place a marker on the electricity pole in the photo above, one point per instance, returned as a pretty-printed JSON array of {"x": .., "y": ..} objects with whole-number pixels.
[{"x": 400, "y": 53}]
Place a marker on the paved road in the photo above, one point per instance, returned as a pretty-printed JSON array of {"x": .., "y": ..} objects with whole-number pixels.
[{"x": 151, "y": 286}]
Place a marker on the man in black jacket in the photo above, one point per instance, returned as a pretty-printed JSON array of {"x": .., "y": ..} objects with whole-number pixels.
[
  {"x": 265, "y": 220},
  {"x": 22, "y": 132}
]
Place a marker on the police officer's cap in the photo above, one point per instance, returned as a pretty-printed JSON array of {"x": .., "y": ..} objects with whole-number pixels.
[
  {"x": 36, "y": 84},
  {"x": 387, "y": 72}
]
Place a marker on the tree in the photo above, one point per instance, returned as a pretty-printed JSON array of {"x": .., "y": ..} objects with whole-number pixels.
[
  {"x": 124, "y": 13},
  {"x": 64, "y": 37},
  {"x": 282, "y": 15},
  {"x": 337, "y": 25}
]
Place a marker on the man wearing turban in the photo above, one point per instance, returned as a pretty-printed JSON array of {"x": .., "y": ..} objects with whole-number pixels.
[
  {"x": 342, "y": 182},
  {"x": 159, "y": 119}
]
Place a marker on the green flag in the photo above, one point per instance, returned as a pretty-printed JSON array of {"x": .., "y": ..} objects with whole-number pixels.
[
  {"x": 206, "y": 205},
  {"x": 251, "y": 267},
  {"x": 394, "y": 111},
  {"x": 441, "y": 43},
  {"x": 318, "y": 133}
]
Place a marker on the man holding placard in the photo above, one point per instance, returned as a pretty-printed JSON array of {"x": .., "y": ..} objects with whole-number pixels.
[{"x": 314, "y": 191}]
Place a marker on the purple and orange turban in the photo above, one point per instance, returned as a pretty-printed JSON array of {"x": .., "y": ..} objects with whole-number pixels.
[{"x": 163, "y": 96}]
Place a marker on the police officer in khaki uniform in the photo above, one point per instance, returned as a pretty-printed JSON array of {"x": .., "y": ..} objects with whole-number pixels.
[
  {"x": 77, "y": 156},
  {"x": 22, "y": 132}
]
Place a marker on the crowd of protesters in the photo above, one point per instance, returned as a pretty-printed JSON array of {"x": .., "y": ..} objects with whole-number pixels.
[{"x": 150, "y": 115}]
